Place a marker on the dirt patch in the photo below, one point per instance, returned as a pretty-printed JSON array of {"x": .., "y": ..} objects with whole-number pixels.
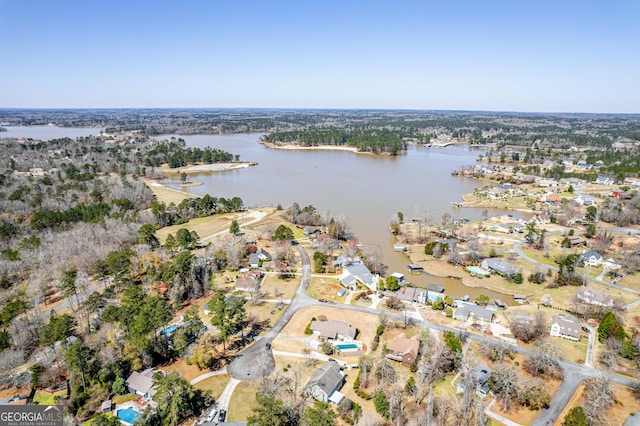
[
  {"x": 626, "y": 403},
  {"x": 189, "y": 372}
]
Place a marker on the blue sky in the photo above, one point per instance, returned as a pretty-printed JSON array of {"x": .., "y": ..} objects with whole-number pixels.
[{"x": 573, "y": 56}]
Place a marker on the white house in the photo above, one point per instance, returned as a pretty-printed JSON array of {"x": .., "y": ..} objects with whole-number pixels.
[
  {"x": 604, "y": 180},
  {"x": 565, "y": 326},
  {"x": 591, "y": 258}
]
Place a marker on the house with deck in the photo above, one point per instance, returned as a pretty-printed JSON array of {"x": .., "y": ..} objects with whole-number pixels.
[
  {"x": 403, "y": 350},
  {"x": 326, "y": 382}
]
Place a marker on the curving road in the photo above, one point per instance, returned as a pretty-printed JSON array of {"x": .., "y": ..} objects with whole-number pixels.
[{"x": 257, "y": 362}]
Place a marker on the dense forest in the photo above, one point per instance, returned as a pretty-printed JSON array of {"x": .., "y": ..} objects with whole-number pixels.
[{"x": 375, "y": 141}]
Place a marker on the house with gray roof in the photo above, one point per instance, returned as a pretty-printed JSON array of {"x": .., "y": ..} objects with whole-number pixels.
[
  {"x": 326, "y": 382},
  {"x": 594, "y": 297},
  {"x": 141, "y": 383},
  {"x": 357, "y": 273},
  {"x": 466, "y": 311},
  {"x": 591, "y": 258},
  {"x": 254, "y": 260},
  {"x": 334, "y": 330},
  {"x": 499, "y": 266},
  {"x": 263, "y": 254},
  {"x": 565, "y": 326}
]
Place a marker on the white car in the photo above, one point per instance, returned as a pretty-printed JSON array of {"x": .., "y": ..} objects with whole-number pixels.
[{"x": 212, "y": 415}]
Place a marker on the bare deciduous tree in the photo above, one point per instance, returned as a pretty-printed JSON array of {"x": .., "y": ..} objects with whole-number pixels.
[{"x": 598, "y": 397}]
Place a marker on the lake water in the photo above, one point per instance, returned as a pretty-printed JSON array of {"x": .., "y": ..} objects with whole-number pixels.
[
  {"x": 46, "y": 133},
  {"x": 368, "y": 190}
]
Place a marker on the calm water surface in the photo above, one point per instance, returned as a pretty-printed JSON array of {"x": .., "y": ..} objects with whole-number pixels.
[{"x": 368, "y": 190}]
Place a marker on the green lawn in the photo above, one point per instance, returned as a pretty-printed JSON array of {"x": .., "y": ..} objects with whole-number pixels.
[
  {"x": 215, "y": 384},
  {"x": 119, "y": 399},
  {"x": 46, "y": 398},
  {"x": 242, "y": 402}
]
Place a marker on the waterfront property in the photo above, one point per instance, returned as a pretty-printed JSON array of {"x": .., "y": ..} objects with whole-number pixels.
[
  {"x": 498, "y": 266},
  {"x": 468, "y": 311},
  {"x": 434, "y": 292},
  {"x": 476, "y": 271},
  {"x": 357, "y": 273},
  {"x": 415, "y": 268}
]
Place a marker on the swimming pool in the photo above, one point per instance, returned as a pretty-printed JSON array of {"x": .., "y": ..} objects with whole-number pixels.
[
  {"x": 128, "y": 415},
  {"x": 169, "y": 330},
  {"x": 343, "y": 346}
]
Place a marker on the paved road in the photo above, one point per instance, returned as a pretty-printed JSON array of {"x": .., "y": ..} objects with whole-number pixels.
[
  {"x": 591, "y": 347},
  {"x": 257, "y": 361}
]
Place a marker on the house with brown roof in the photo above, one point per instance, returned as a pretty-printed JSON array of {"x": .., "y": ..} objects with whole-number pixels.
[
  {"x": 412, "y": 294},
  {"x": 334, "y": 330},
  {"x": 325, "y": 383},
  {"x": 403, "y": 349},
  {"x": 249, "y": 281}
]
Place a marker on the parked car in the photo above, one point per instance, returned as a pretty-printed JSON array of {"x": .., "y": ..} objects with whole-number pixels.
[
  {"x": 585, "y": 329},
  {"x": 322, "y": 301},
  {"x": 222, "y": 416},
  {"x": 212, "y": 415},
  {"x": 380, "y": 295},
  {"x": 267, "y": 346}
]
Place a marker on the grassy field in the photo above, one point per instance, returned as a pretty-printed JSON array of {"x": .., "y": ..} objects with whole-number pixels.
[
  {"x": 215, "y": 384},
  {"x": 46, "y": 398},
  {"x": 119, "y": 399},
  {"x": 286, "y": 287},
  {"x": 168, "y": 195},
  {"x": 242, "y": 401},
  {"x": 325, "y": 288},
  {"x": 203, "y": 226}
]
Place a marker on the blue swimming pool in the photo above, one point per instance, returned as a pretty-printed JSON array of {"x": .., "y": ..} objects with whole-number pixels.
[
  {"x": 128, "y": 415},
  {"x": 343, "y": 346},
  {"x": 169, "y": 330}
]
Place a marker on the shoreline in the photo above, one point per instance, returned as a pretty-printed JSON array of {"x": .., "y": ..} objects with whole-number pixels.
[
  {"x": 312, "y": 148},
  {"x": 206, "y": 168}
]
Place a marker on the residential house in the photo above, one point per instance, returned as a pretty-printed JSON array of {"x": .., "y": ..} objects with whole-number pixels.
[
  {"x": 249, "y": 281},
  {"x": 584, "y": 200},
  {"x": 342, "y": 261},
  {"x": 311, "y": 232},
  {"x": 399, "y": 277},
  {"x": 634, "y": 181},
  {"x": 604, "y": 180},
  {"x": 141, "y": 383},
  {"x": 575, "y": 240},
  {"x": 540, "y": 219},
  {"x": 466, "y": 311},
  {"x": 254, "y": 260},
  {"x": 412, "y": 294},
  {"x": 594, "y": 297},
  {"x": 435, "y": 292},
  {"x": 334, "y": 330},
  {"x": 591, "y": 258},
  {"x": 326, "y": 382},
  {"x": 358, "y": 274},
  {"x": 477, "y": 378},
  {"x": 565, "y": 326},
  {"x": 498, "y": 266},
  {"x": 263, "y": 255},
  {"x": 403, "y": 350}
]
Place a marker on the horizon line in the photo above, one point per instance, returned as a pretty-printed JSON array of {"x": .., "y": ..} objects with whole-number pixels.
[{"x": 432, "y": 110}]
